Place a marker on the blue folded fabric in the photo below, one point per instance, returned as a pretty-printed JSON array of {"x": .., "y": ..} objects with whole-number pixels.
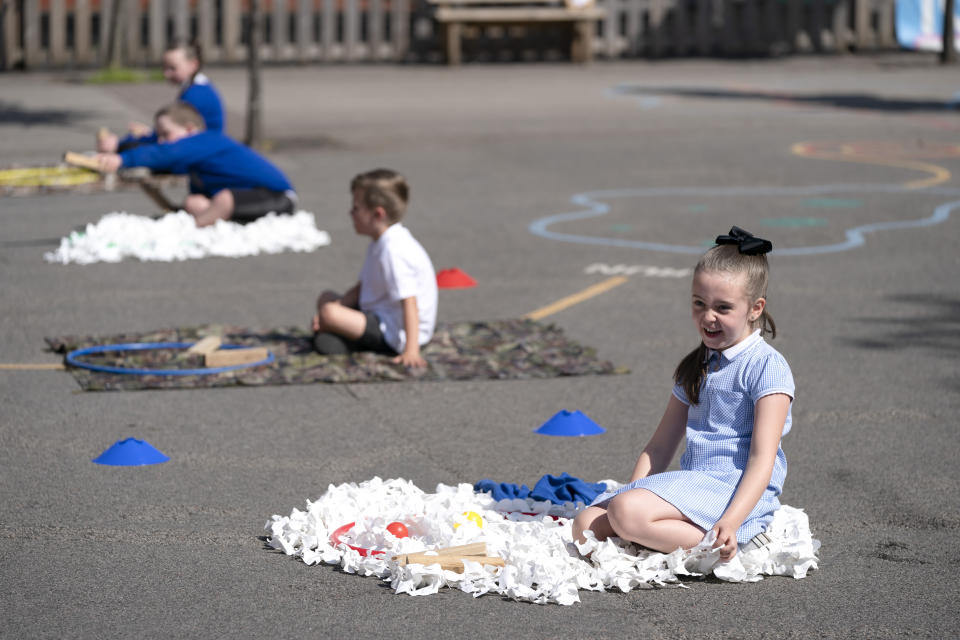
[{"x": 555, "y": 489}]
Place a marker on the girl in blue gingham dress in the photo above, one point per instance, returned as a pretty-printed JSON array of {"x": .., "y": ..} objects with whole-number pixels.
[{"x": 732, "y": 400}]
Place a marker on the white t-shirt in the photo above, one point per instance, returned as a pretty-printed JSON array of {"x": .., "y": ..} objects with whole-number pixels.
[{"x": 398, "y": 267}]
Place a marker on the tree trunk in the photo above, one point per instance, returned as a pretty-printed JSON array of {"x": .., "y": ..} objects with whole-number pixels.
[
  {"x": 254, "y": 137},
  {"x": 948, "y": 54}
]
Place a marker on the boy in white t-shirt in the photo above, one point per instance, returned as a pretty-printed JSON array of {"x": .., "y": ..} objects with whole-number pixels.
[{"x": 393, "y": 309}]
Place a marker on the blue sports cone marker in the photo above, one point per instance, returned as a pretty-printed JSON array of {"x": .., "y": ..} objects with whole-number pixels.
[
  {"x": 569, "y": 423},
  {"x": 131, "y": 453}
]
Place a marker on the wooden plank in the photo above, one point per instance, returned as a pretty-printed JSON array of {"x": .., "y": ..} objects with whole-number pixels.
[
  {"x": 304, "y": 25},
  {"x": 230, "y": 357},
  {"x": 103, "y": 40},
  {"x": 32, "y": 54},
  {"x": 448, "y": 563},
  {"x": 157, "y": 32},
  {"x": 375, "y": 29},
  {"x": 230, "y": 28},
  {"x": 862, "y": 30},
  {"x": 181, "y": 20},
  {"x": 840, "y": 25},
  {"x": 328, "y": 32},
  {"x": 133, "y": 44},
  {"x": 609, "y": 35},
  {"x": 515, "y": 14},
  {"x": 351, "y": 29},
  {"x": 480, "y": 3},
  {"x": 400, "y": 21},
  {"x": 581, "y": 49},
  {"x": 10, "y": 23},
  {"x": 206, "y": 32},
  {"x": 82, "y": 29},
  {"x": 57, "y": 25},
  {"x": 205, "y": 346},
  {"x": 81, "y": 160},
  {"x": 886, "y": 32},
  {"x": 634, "y": 36},
  {"x": 279, "y": 41}
]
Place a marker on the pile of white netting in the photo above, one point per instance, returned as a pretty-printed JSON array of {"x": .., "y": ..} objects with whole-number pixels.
[
  {"x": 543, "y": 564},
  {"x": 175, "y": 236}
]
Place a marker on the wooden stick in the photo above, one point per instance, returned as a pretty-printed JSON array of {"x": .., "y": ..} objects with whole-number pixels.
[
  {"x": 472, "y": 549},
  {"x": 449, "y": 563},
  {"x": 230, "y": 357},
  {"x": 81, "y": 160},
  {"x": 205, "y": 346}
]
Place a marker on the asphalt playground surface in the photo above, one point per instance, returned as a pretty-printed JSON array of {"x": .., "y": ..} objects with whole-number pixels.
[{"x": 671, "y": 153}]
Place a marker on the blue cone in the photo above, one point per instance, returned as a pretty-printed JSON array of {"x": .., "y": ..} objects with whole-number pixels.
[
  {"x": 569, "y": 423},
  {"x": 131, "y": 453}
]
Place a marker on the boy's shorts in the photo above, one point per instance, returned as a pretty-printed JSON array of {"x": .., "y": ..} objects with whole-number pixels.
[
  {"x": 250, "y": 204},
  {"x": 371, "y": 340}
]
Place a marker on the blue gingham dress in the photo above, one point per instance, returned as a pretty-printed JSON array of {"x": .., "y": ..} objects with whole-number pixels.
[{"x": 719, "y": 431}]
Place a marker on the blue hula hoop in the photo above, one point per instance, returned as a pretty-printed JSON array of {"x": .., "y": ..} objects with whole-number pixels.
[{"x": 144, "y": 346}]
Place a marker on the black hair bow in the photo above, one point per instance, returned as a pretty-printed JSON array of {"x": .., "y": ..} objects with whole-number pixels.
[{"x": 746, "y": 242}]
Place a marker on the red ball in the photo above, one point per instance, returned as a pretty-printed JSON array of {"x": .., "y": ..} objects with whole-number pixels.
[{"x": 398, "y": 529}]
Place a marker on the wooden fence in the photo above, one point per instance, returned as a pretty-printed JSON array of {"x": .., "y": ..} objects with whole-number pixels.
[{"x": 62, "y": 34}]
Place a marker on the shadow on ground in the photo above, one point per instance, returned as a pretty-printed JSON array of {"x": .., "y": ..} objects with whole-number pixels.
[
  {"x": 857, "y": 101},
  {"x": 13, "y": 114},
  {"x": 935, "y": 326}
]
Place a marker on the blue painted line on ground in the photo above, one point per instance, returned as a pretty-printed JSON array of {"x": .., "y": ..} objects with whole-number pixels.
[
  {"x": 594, "y": 206},
  {"x": 833, "y": 203}
]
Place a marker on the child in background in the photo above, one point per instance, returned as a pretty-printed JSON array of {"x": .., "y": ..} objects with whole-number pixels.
[
  {"x": 228, "y": 181},
  {"x": 732, "y": 398},
  {"x": 181, "y": 66},
  {"x": 393, "y": 308}
]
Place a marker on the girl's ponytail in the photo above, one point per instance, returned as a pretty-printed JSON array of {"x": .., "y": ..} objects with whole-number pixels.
[
  {"x": 766, "y": 324},
  {"x": 691, "y": 372}
]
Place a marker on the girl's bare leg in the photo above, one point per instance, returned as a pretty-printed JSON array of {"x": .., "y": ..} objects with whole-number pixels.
[
  {"x": 643, "y": 517},
  {"x": 594, "y": 519}
]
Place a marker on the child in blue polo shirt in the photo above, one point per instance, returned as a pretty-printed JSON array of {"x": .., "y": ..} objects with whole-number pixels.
[
  {"x": 228, "y": 181},
  {"x": 732, "y": 400},
  {"x": 181, "y": 66}
]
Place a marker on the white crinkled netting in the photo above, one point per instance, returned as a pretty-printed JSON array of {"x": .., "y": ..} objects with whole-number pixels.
[
  {"x": 543, "y": 563},
  {"x": 175, "y": 236}
]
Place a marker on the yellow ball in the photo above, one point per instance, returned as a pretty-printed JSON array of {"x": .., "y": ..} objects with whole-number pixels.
[{"x": 473, "y": 517}]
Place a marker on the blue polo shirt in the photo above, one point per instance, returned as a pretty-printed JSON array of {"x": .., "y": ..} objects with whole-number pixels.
[{"x": 212, "y": 160}]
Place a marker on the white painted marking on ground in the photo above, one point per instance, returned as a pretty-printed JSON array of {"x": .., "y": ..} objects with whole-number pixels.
[{"x": 632, "y": 270}]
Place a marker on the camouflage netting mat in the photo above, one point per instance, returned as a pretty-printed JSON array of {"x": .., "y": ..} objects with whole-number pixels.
[{"x": 502, "y": 349}]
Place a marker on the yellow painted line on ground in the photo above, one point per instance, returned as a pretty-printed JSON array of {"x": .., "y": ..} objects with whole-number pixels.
[
  {"x": 32, "y": 366},
  {"x": 577, "y": 298},
  {"x": 939, "y": 174}
]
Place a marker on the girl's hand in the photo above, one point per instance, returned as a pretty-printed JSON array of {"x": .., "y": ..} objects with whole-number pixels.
[
  {"x": 315, "y": 325},
  {"x": 726, "y": 539}
]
